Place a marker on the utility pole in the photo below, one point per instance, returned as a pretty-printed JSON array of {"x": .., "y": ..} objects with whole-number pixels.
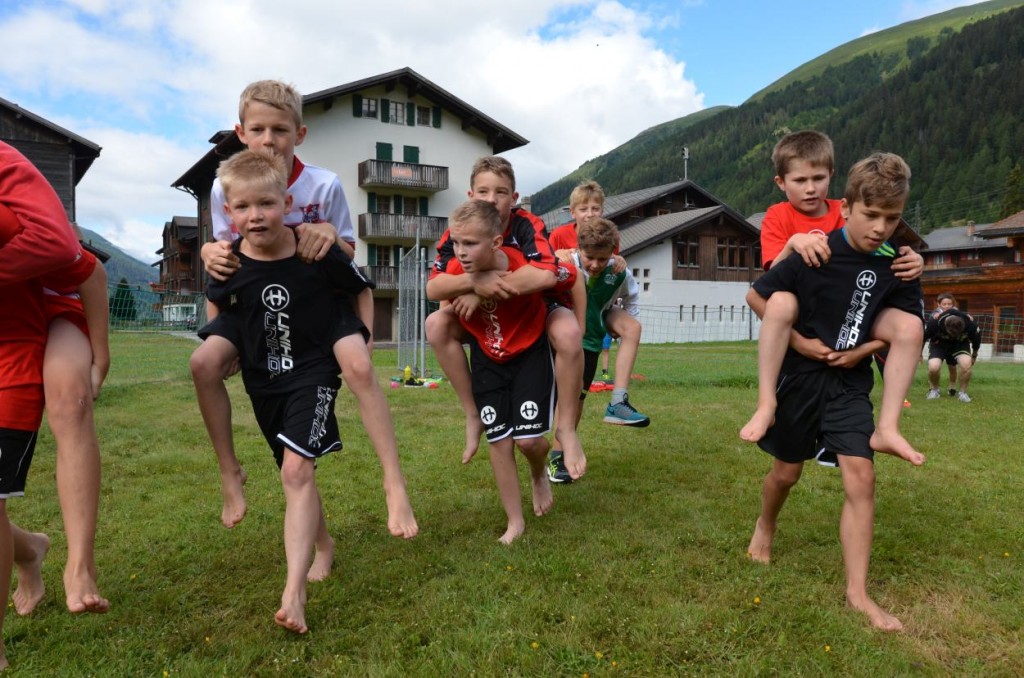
[{"x": 686, "y": 163}]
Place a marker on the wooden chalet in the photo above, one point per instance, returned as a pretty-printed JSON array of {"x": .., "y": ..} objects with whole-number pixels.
[{"x": 180, "y": 263}]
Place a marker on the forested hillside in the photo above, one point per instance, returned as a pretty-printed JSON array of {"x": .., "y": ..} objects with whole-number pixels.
[
  {"x": 954, "y": 113},
  {"x": 121, "y": 265}
]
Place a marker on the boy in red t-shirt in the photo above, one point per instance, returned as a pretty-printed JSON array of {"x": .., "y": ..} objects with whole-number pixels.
[
  {"x": 804, "y": 164},
  {"x": 511, "y": 371}
]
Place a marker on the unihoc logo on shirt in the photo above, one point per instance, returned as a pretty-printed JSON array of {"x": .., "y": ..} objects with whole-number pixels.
[
  {"x": 277, "y": 330},
  {"x": 849, "y": 333},
  {"x": 866, "y": 280},
  {"x": 275, "y": 297}
]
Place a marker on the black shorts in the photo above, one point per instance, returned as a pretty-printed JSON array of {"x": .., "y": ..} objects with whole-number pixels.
[
  {"x": 303, "y": 421},
  {"x": 589, "y": 370},
  {"x": 16, "y": 448},
  {"x": 949, "y": 351},
  {"x": 514, "y": 398},
  {"x": 821, "y": 414}
]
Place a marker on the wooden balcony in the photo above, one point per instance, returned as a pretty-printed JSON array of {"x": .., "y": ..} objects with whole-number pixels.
[
  {"x": 390, "y": 174},
  {"x": 401, "y": 228},
  {"x": 386, "y": 277}
]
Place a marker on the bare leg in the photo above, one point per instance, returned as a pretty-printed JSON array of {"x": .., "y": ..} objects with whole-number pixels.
[
  {"x": 68, "y": 385},
  {"x": 445, "y": 336},
  {"x": 966, "y": 371},
  {"x": 357, "y": 369},
  {"x": 780, "y": 314},
  {"x": 777, "y": 484},
  {"x": 952, "y": 377},
  {"x": 934, "y": 365},
  {"x": 29, "y": 551},
  {"x": 323, "y": 553},
  {"x": 567, "y": 342},
  {"x": 301, "y": 520},
  {"x": 503, "y": 463},
  {"x": 856, "y": 529},
  {"x": 904, "y": 334},
  {"x": 6, "y": 567},
  {"x": 536, "y": 452},
  {"x": 210, "y": 364}
]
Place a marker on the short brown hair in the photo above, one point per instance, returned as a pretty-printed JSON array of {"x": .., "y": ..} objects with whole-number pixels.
[
  {"x": 946, "y": 295},
  {"x": 253, "y": 167},
  {"x": 810, "y": 146},
  {"x": 597, "y": 234},
  {"x": 585, "y": 192},
  {"x": 881, "y": 179},
  {"x": 479, "y": 211},
  {"x": 494, "y": 164},
  {"x": 280, "y": 95}
]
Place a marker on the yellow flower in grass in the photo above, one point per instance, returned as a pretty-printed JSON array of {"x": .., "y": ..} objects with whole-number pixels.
[
  {"x": 598, "y": 655},
  {"x": 534, "y": 645},
  {"x": 757, "y": 600},
  {"x": 828, "y": 648}
]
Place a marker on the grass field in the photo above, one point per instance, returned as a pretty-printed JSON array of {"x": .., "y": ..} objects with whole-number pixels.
[{"x": 639, "y": 570}]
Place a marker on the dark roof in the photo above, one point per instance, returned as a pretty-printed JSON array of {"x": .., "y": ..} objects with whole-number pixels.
[
  {"x": 956, "y": 238},
  {"x": 85, "y": 151},
  {"x": 226, "y": 144},
  {"x": 500, "y": 138},
  {"x": 641, "y": 234},
  {"x": 756, "y": 219},
  {"x": 1011, "y": 225}
]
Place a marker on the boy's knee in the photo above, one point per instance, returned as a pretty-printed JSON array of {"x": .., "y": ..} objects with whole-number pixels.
[
  {"x": 566, "y": 337},
  {"x": 296, "y": 470},
  {"x": 782, "y": 306},
  {"x": 440, "y": 326},
  {"x": 532, "y": 446}
]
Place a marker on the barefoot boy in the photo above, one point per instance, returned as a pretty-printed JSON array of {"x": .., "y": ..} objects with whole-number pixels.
[
  {"x": 493, "y": 180},
  {"x": 291, "y": 316},
  {"x": 826, "y": 406},
  {"x": 270, "y": 119},
  {"x": 804, "y": 163},
  {"x": 510, "y": 359}
]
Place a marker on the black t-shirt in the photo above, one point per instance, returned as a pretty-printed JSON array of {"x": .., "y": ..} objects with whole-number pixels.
[
  {"x": 840, "y": 300},
  {"x": 286, "y": 310},
  {"x": 937, "y": 333}
]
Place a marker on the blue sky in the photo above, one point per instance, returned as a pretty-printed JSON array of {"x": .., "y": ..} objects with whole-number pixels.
[{"x": 151, "y": 82}]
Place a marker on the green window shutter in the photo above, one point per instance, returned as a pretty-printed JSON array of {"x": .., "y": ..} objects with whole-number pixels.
[
  {"x": 385, "y": 110},
  {"x": 411, "y": 154},
  {"x": 371, "y": 202},
  {"x": 436, "y": 117},
  {"x": 423, "y": 205},
  {"x": 383, "y": 151},
  {"x": 371, "y": 255},
  {"x": 396, "y": 204},
  {"x": 357, "y": 105},
  {"x": 410, "y": 114},
  {"x": 396, "y": 255}
]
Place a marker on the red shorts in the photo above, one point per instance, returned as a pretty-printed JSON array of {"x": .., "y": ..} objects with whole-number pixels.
[
  {"x": 67, "y": 306},
  {"x": 21, "y": 407}
]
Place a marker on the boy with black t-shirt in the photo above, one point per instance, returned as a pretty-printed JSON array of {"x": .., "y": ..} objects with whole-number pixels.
[
  {"x": 953, "y": 336},
  {"x": 510, "y": 359},
  {"x": 290, "y": 316},
  {"x": 824, "y": 404}
]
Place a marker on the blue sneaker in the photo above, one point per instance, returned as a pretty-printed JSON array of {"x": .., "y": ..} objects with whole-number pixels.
[
  {"x": 557, "y": 473},
  {"x": 624, "y": 414}
]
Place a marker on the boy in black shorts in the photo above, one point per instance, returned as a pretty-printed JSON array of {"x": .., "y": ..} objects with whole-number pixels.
[
  {"x": 510, "y": 360},
  {"x": 290, "y": 315},
  {"x": 824, "y": 405}
]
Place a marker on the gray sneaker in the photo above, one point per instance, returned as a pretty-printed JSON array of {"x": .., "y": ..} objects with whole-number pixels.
[
  {"x": 963, "y": 397},
  {"x": 933, "y": 394},
  {"x": 557, "y": 472}
]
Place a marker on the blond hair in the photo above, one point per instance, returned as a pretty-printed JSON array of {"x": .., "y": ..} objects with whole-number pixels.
[
  {"x": 478, "y": 211},
  {"x": 494, "y": 164},
  {"x": 585, "y": 192},
  {"x": 810, "y": 146},
  {"x": 881, "y": 180},
  {"x": 275, "y": 93},
  {"x": 597, "y": 234},
  {"x": 253, "y": 167}
]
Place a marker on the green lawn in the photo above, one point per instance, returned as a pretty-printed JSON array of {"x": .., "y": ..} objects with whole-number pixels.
[{"x": 639, "y": 570}]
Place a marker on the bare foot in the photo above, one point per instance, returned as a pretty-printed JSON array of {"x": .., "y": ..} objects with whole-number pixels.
[
  {"x": 82, "y": 595},
  {"x": 575, "y": 459},
  {"x": 3, "y": 658},
  {"x": 758, "y": 425},
  {"x": 891, "y": 442},
  {"x": 760, "y": 548},
  {"x": 323, "y": 560},
  {"x": 234, "y": 497},
  {"x": 30, "y": 574},
  {"x": 401, "y": 521},
  {"x": 879, "y": 618},
  {"x": 292, "y": 615},
  {"x": 474, "y": 429},
  {"x": 543, "y": 499},
  {"x": 514, "y": 531}
]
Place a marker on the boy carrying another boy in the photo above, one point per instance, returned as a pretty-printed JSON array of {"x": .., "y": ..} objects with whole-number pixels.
[
  {"x": 270, "y": 120},
  {"x": 289, "y": 315},
  {"x": 826, "y": 405},
  {"x": 511, "y": 370},
  {"x": 804, "y": 166},
  {"x": 597, "y": 238},
  {"x": 492, "y": 179}
]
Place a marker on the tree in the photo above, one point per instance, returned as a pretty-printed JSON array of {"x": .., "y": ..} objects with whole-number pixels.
[
  {"x": 1013, "y": 198},
  {"x": 122, "y": 304}
]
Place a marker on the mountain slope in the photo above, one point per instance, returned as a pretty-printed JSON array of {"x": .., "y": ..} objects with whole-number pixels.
[{"x": 121, "y": 265}]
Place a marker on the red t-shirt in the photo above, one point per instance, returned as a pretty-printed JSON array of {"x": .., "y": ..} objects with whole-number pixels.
[
  {"x": 506, "y": 328},
  {"x": 525, "y": 231},
  {"x": 782, "y": 221},
  {"x": 564, "y": 238}
]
